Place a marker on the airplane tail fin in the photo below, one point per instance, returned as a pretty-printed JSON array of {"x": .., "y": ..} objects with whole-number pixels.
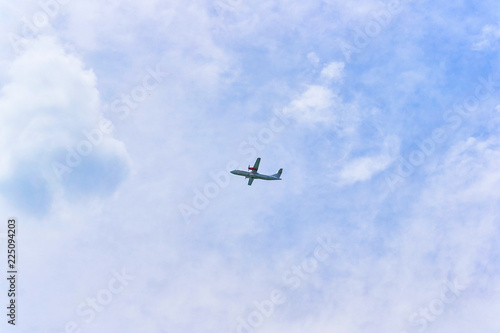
[{"x": 279, "y": 173}]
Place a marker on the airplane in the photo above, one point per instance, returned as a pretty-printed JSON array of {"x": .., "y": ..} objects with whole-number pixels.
[{"x": 253, "y": 174}]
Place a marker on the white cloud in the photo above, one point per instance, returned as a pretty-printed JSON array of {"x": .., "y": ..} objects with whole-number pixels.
[
  {"x": 333, "y": 71},
  {"x": 315, "y": 105},
  {"x": 444, "y": 236},
  {"x": 48, "y": 105},
  {"x": 319, "y": 104},
  {"x": 364, "y": 167},
  {"x": 393, "y": 254}
]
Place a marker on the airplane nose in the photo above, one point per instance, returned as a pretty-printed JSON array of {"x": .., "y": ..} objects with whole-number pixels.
[{"x": 232, "y": 171}]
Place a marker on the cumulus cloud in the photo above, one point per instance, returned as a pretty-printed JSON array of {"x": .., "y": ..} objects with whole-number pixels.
[{"x": 50, "y": 110}]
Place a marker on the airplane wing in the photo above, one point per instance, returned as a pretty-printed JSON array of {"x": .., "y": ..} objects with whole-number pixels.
[
  {"x": 256, "y": 165},
  {"x": 250, "y": 181}
]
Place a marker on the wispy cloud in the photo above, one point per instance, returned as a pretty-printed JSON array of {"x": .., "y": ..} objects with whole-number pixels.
[{"x": 488, "y": 39}]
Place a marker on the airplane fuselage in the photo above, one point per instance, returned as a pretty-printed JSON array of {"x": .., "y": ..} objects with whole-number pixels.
[{"x": 255, "y": 175}]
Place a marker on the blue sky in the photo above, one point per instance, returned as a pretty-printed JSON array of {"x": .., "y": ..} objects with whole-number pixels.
[{"x": 120, "y": 120}]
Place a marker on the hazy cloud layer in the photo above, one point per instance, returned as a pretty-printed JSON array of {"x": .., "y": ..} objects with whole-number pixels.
[{"x": 119, "y": 123}]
